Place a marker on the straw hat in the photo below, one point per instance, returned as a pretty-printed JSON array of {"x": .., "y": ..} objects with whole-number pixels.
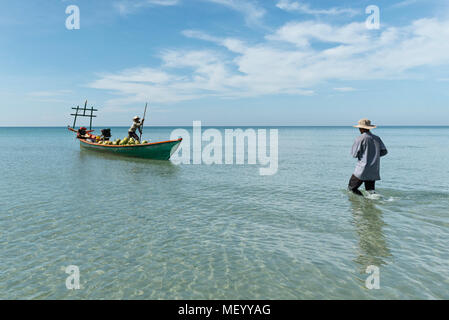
[{"x": 365, "y": 124}]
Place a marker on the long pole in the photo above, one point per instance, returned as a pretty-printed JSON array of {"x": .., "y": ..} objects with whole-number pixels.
[
  {"x": 76, "y": 115},
  {"x": 143, "y": 120},
  {"x": 91, "y": 116}
]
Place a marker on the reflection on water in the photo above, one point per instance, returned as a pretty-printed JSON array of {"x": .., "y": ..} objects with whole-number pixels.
[
  {"x": 367, "y": 218},
  {"x": 135, "y": 166}
]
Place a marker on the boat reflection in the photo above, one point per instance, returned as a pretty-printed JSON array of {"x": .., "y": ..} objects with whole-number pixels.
[{"x": 133, "y": 166}]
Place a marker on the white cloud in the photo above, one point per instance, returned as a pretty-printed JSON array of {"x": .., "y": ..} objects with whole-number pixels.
[
  {"x": 252, "y": 12},
  {"x": 289, "y": 5},
  {"x": 128, "y": 6},
  {"x": 46, "y": 94},
  {"x": 345, "y": 89},
  {"x": 233, "y": 45},
  {"x": 302, "y": 33},
  {"x": 292, "y": 60},
  {"x": 404, "y": 3}
]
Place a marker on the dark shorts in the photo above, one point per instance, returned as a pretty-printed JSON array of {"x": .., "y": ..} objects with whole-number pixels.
[
  {"x": 133, "y": 135},
  {"x": 355, "y": 183}
]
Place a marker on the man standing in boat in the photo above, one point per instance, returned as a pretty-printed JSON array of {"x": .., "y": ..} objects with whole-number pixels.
[
  {"x": 137, "y": 125},
  {"x": 368, "y": 149}
]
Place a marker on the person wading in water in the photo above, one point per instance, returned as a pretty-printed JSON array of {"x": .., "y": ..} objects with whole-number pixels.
[
  {"x": 367, "y": 148},
  {"x": 137, "y": 124}
]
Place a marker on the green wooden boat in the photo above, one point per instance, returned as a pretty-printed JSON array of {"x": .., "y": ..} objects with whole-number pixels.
[{"x": 157, "y": 150}]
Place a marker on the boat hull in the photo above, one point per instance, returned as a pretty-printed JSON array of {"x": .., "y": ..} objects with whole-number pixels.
[{"x": 157, "y": 151}]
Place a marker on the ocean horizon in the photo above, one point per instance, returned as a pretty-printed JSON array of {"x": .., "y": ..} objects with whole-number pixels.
[{"x": 241, "y": 126}]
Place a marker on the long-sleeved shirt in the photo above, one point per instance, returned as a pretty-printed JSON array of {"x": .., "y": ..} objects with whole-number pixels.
[
  {"x": 135, "y": 126},
  {"x": 368, "y": 148}
]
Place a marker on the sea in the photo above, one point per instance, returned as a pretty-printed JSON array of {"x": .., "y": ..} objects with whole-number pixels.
[{"x": 125, "y": 228}]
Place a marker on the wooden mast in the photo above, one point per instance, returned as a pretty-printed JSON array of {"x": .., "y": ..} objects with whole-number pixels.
[{"x": 85, "y": 109}]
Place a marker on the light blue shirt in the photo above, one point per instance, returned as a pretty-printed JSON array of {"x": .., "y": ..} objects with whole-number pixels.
[{"x": 368, "y": 148}]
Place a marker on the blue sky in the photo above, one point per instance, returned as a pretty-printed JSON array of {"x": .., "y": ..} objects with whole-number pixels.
[{"x": 225, "y": 62}]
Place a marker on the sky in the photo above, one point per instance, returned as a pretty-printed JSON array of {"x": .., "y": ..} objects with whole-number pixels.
[{"x": 225, "y": 62}]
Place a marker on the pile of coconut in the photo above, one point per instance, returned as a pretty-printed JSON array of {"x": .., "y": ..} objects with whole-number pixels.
[{"x": 123, "y": 142}]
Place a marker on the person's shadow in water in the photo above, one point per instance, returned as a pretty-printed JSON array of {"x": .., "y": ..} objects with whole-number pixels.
[{"x": 367, "y": 218}]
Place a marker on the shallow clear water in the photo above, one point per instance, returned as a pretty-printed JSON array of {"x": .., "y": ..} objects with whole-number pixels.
[{"x": 142, "y": 229}]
